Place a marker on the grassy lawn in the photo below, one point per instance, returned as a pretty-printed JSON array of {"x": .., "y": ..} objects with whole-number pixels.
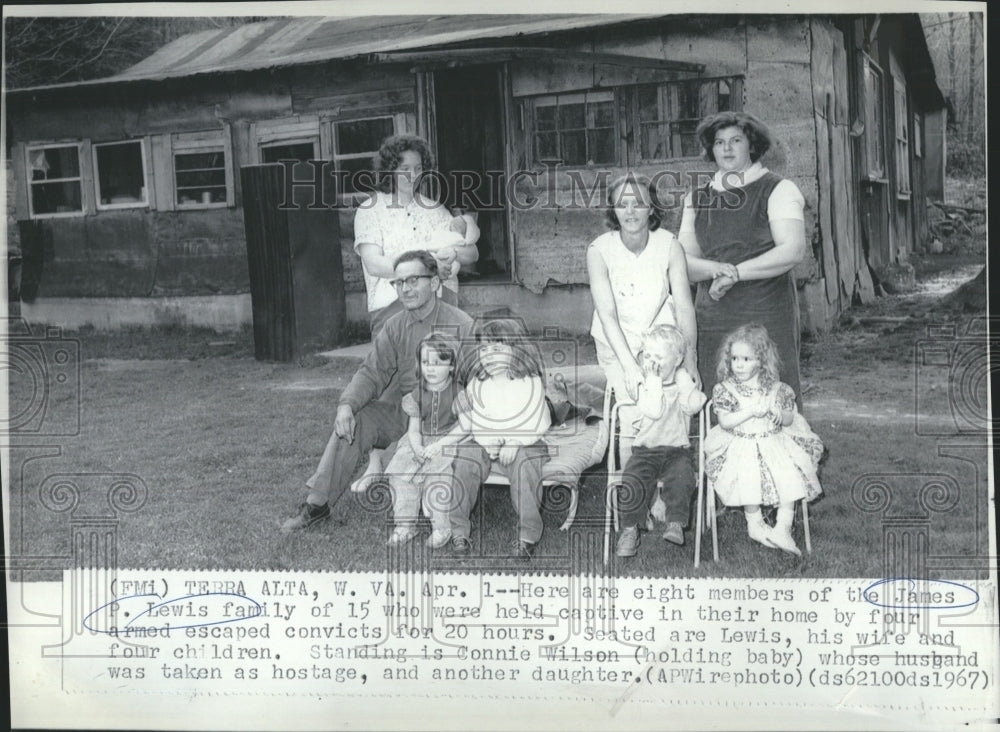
[{"x": 224, "y": 443}]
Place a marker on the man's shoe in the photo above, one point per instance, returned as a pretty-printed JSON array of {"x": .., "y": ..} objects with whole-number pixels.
[
  {"x": 523, "y": 550},
  {"x": 674, "y": 533},
  {"x": 309, "y": 514},
  {"x": 628, "y": 542},
  {"x": 461, "y": 545}
]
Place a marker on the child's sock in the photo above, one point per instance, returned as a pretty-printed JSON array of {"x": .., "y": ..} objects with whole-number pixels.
[
  {"x": 782, "y": 535},
  {"x": 756, "y": 528}
]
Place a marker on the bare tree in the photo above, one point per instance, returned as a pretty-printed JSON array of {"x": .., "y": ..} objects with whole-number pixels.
[{"x": 41, "y": 51}]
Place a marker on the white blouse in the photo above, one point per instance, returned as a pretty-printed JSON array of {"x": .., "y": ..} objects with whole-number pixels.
[
  {"x": 640, "y": 284},
  {"x": 398, "y": 229}
]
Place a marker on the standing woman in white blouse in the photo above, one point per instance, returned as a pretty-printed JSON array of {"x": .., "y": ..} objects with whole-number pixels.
[
  {"x": 638, "y": 278},
  {"x": 399, "y": 218},
  {"x": 743, "y": 233}
]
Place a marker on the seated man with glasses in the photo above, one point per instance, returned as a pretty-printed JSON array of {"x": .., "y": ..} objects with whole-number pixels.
[{"x": 370, "y": 413}]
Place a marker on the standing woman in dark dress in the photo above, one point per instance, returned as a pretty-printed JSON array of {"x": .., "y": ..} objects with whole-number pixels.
[{"x": 743, "y": 233}]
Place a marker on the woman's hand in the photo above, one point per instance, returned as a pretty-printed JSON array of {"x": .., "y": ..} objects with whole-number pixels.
[
  {"x": 445, "y": 258},
  {"x": 507, "y": 454},
  {"x": 634, "y": 377},
  {"x": 720, "y": 269},
  {"x": 720, "y": 286}
]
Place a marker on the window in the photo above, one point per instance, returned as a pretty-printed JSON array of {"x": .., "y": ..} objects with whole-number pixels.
[
  {"x": 355, "y": 144},
  {"x": 873, "y": 103},
  {"x": 576, "y": 129},
  {"x": 120, "y": 174},
  {"x": 276, "y": 152},
  {"x": 902, "y": 118},
  {"x": 202, "y": 178},
  {"x": 918, "y": 135},
  {"x": 54, "y": 177},
  {"x": 668, "y": 114}
]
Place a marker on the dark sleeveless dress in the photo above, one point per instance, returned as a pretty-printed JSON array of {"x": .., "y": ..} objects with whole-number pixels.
[{"x": 732, "y": 231}]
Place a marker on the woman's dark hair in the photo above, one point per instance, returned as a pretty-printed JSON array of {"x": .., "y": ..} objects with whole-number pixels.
[
  {"x": 756, "y": 131},
  {"x": 526, "y": 359},
  {"x": 632, "y": 183},
  {"x": 444, "y": 347},
  {"x": 390, "y": 155}
]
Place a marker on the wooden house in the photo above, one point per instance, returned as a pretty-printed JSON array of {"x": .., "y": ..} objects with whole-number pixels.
[{"x": 127, "y": 189}]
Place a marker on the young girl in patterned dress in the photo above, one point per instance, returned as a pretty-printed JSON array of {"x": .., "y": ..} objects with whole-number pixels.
[
  {"x": 418, "y": 472},
  {"x": 761, "y": 451}
]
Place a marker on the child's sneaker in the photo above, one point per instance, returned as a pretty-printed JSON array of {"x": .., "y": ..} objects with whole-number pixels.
[
  {"x": 438, "y": 538},
  {"x": 401, "y": 535},
  {"x": 674, "y": 533},
  {"x": 628, "y": 542}
]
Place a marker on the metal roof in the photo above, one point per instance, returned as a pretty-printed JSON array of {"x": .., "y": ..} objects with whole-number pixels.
[{"x": 304, "y": 40}]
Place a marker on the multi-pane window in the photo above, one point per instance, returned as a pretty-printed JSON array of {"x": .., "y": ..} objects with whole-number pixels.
[
  {"x": 355, "y": 144},
  {"x": 200, "y": 177},
  {"x": 873, "y": 104},
  {"x": 54, "y": 178},
  {"x": 278, "y": 151},
  {"x": 902, "y": 118},
  {"x": 120, "y": 173},
  {"x": 668, "y": 114},
  {"x": 576, "y": 129}
]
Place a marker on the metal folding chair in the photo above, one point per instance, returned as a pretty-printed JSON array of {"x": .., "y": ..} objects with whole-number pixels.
[
  {"x": 611, "y": 411},
  {"x": 706, "y": 511}
]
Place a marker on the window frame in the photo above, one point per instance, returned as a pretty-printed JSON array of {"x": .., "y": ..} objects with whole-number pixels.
[
  {"x": 193, "y": 143},
  {"x": 736, "y": 82},
  {"x": 80, "y": 158},
  {"x": 145, "y": 202},
  {"x": 874, "y": 116},
  {"x": 330, "y": 126},
  {"x": 531, "y": 104},
  {"x": 314, "y": 141},
  {"x": 901, "y": 121}
]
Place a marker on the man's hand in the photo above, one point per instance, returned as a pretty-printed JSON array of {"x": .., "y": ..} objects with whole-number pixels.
[{"x": 343, "y": 423}]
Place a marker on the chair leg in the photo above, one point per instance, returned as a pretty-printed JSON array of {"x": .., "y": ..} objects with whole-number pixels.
[
  {"x": 607, "y": 520},
  {"x": 699, "y": 517},
  {"x": 715, "y": 529},
  {"x": 805, "y": 524},
  {"x": 573, "y": 502}
]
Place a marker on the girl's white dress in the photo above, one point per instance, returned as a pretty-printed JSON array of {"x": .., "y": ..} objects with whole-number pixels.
[{"x": 757, "y": 462}]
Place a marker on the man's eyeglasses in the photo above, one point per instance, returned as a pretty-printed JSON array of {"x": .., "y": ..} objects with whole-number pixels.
[{"x": 410, "y": 281}]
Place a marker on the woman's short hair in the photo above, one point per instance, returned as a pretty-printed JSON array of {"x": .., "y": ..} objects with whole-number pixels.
[
  {"x": 390, "y": 155},
  {"x": 629, "y": 183},
  {"x": 758, "y": 135}
]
